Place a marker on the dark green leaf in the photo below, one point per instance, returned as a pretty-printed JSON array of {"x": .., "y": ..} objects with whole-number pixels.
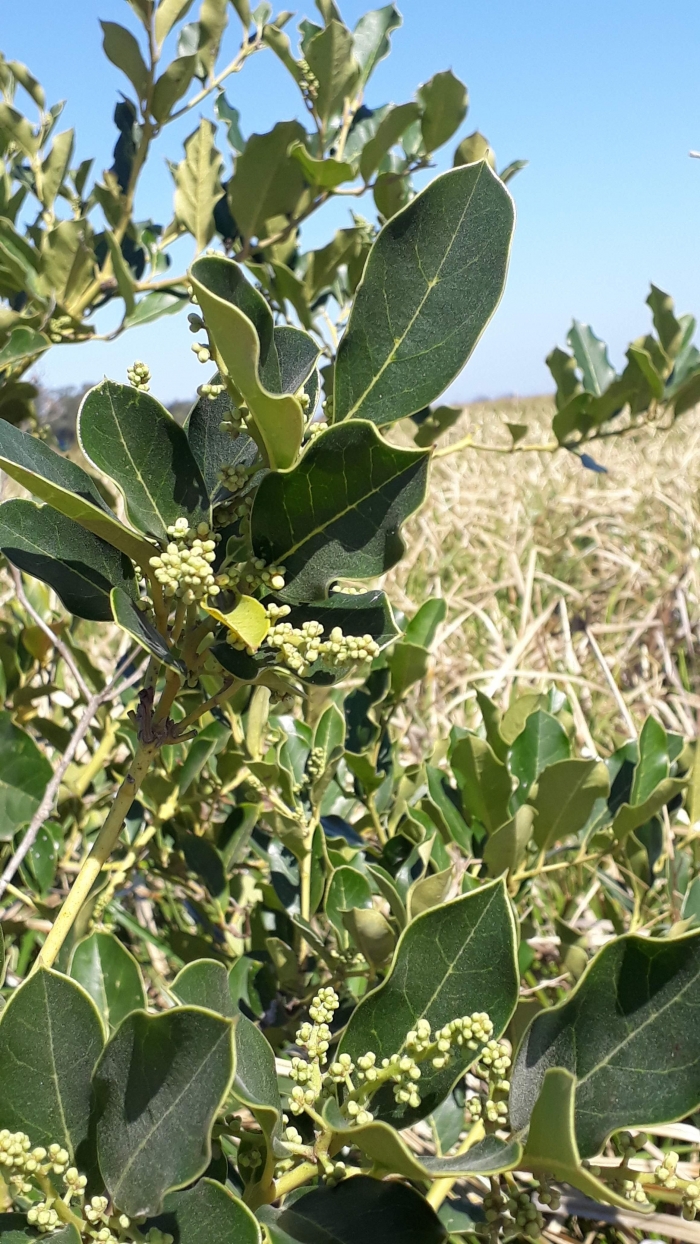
[
  {"x": 348, "y": 888},
  {"x": 205, "y": 983},
  {"x": 360, "y": 1210},
  {"x": 669, "y": 329},
  {"x": 212, "y": 448},
  {"x": 566, "y": 794},
  {"x": 505, "y": 849},
  {"x": 208, "y": 1214},
  {"x": 653, "y": 764},
  {"x": 24, "y": 773},
  {"x": 297, "y": 353},
  {"x": 408, "y": 664},
  {"x": 255, "y": 1086},
  {"x": 394, "y": 123},
  {"x": 432, "y": 282},
  {"x": 542, "y": 742},
  {"x": 321, "y": 522},
  {"x": 627, "y": 1033},
  {"x": 444, "y": 99},
  {"x": 65, "y": 486},
  {"x": 159, "y": 1084},
  {"x": 136, "y": 442},
  {"x": 483, "y": 780},
  {"x": 80, "y": 567},
  {"x": 50, "y": 1039},
  {"x": 111, "y": 976},
  {"x": 451, "y": 961},
  {"x": 136, "y": 623},
  {"x": 330, "y": 56}
]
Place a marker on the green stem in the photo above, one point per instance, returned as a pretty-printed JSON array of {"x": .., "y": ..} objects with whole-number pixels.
[
  {"x": 294, "y": 1179},
  {"x": 442, "y": 1187},
  {"x": 102, "y": 849}
]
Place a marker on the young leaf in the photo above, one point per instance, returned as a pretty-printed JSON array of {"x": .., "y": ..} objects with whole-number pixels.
[
  {"x": 483, "y": 780},
  {"x": 627, "y": 1033},
  {"x": 424, "y": 624},
  {"x": 653, "y": 764},
  {"x": 23, "y": 343},
  {"x": 50, "y": 1039},
  {"x": 347, "y": 888},
  {"x": 551, "y": 1143},
  {"x": 208, "y": 1214},
  {"x": 433, "y": 280},
  {"x": 167, "y": 14},
  {"x": 81, "y": 568},
  {"x": 360, "y": 1210},
  {"x": 198, "y": 181},
  {"x": 248, "y": 621},
  {"x": 122, "y": 49},
  {"x": 322, "y": 523},
  {"x": 160, "y": 1083},
  {"x": 450, "y": 961},
  {"x": 242, "y": 331},
  {"x": 566, "y": 794},
  {"x": 69, "y": 489},
  {"x": 387, "y": 1148},
  {"x": 444, "y": 99},
  {"x": 24, "y": 773},
  {"x": 110, "y": 974},
  {"x": 129, "y": 436}
]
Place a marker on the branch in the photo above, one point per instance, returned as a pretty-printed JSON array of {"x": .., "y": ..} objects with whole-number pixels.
[
  {"x": 55, "y": 640},
  {"x": 110, "y": 692}
]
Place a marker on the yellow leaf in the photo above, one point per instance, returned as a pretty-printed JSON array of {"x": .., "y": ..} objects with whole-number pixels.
[{"x": 248, "y": 621}]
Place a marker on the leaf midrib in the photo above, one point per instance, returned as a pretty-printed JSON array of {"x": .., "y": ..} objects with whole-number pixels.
[{"x": 431, "y": 286}]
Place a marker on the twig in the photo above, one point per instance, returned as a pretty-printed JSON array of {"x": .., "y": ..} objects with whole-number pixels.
[
  {"x": 111, "y": 691},
  {"x": 55, "y": 639}
]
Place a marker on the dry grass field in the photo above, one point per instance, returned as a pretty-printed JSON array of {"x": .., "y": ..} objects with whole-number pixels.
[{"x": 555, "y": 575}]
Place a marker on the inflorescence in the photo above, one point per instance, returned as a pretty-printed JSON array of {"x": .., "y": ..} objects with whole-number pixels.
[{"x": 184, "y": 569}]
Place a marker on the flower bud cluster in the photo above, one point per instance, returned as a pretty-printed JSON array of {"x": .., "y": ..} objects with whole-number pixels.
[
  {"x": 262, "y": 575},
  {"x": 139, "y": 376},
  {"x": 666, "y": 1173},
  {"x": 236, "y": 420},
  {"x": 314, "y": 1038},
  {"x": 212, "y": 391},
  {"x": 203, "y": 353},
  {"x": 513, "y": 1213},
  {"x": 235, "y": 477},
  {"x": 316, "y": 763},
  {"x": 300, "y": 647},
  {"x": 184, "y": 568}
]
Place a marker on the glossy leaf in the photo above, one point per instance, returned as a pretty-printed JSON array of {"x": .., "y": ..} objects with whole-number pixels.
[
  {"x": 408, "y": 664},
  {"x": 321, "y": 522},
  {"x": 444, "y": 99},
  {"x": 591, "y": 355},
  {"x": 360, "y": 1210},
  {"x": 627, "y": 1033},
  {"x": 566, "y": 794},
  {"x": 551, "y": 1143},
  {"x": 424, "y": 624},
  {"x": 542, "y": 742},
  {"x": 653, "y": 764},
  {"x": 24, "y": 773},
  {"x": 50, "y": 1039},
  {"x": 432, "y": 282},
  {"x": 80, "y": 567},
  {"x": 241, "y": 325},
  {"x": 136, "y": 623},
  {"x": 208, "y": 1214},
  {"x": 630, "y": 816},
  {"x": 160, "y": 1083},
  {"x": 483, "y": 780},
  {"x": 129, "y": 436},
  {"x": 451, "y": 961},
  {"x": 65, "y": 486},
  {"x": 110, "y": 975}
]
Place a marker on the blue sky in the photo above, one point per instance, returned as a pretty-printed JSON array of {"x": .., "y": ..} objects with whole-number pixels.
[{"x": 603, "y": 99}]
